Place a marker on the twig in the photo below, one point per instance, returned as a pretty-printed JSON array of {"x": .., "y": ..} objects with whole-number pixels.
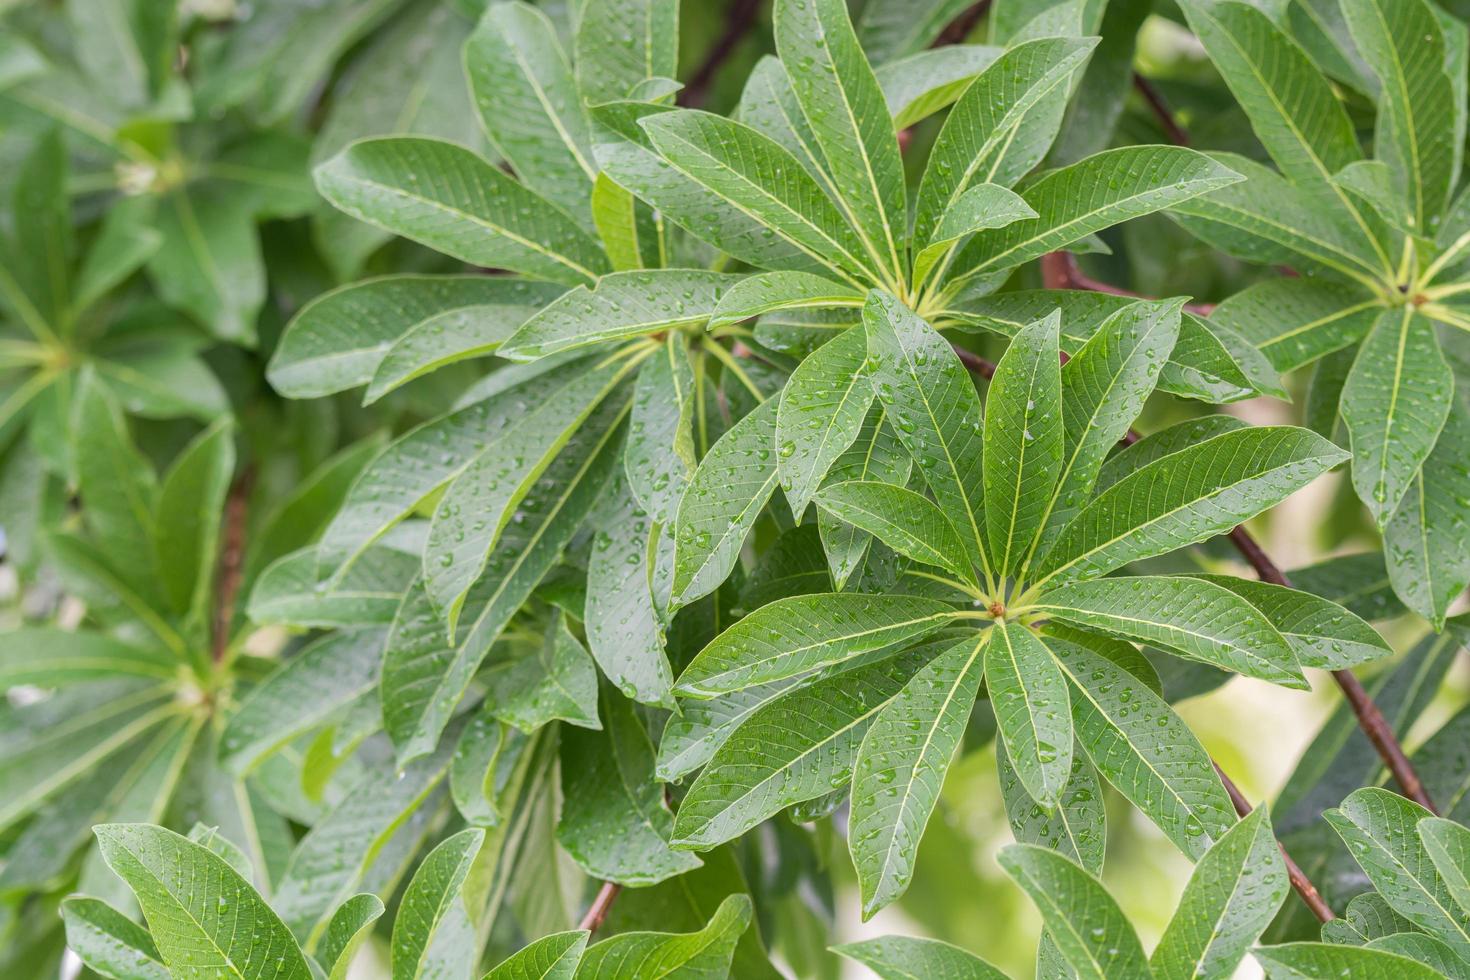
[
  {"x": 1156, "y": 102},
  {"x": 1059, "y": 270},
  {"x": 739, "y": 17},
  {"x": 1370, "y": 717},
  {"x": 600, "y": 906},
  {"x": 231, "y": 561},
  {"x": 1299, "y": 880}
]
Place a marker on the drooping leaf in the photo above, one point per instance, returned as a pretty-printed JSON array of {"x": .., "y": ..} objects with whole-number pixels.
[
  {"x": 1089, "y": 929},
  {"x": 795, "y": 747},
  {"x": 1144, "y": 749},
  {"x": 901, "y": 765},
  {"x": 661, "y": 420},
  {"x": 1427, "y": 541},
  {"x": 1028, "y": 694},
  {"x": 555, "y": 681},
  {"x": 109, "y": 942},
  {"x": 614, "y": 821}
]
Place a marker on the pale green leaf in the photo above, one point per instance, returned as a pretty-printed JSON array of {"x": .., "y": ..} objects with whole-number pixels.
[
  {"x": 109, "y": 942},
  {"x": 662, "y": 420},
  {"x": 433, "y": 934},
  {"x": 553, "y": 957},
  {"x": 624, "y": 631},
  {"x": 350, "y": 927},
  {"x": 1028, "y": 694},
  {"x": 702, "y": 955},
  {"x": 1308, "y": 961},
  {"x": 909, "y": 957},
  {"x": 820, "y": 413},
  {"x": 905, "y": 521},
  {"x": 621, "y": 43}
]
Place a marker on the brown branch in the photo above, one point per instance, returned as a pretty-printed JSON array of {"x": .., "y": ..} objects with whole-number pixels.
[
  {"x": 231, "y": 561},
  {"x": 1370, "y": 717},
  {"x": 601, "y": 905},
  {"x": 739, "y": 18},
  {"x": 1161, "y": 110},
  {"x": 1303, "y": 886},
  {"x": 1059, "y": 270}
]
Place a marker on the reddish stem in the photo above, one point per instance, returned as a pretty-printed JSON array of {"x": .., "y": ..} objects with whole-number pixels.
[
  {"x": 1059, "y": 270},
  {"x": 1161, "y": 110},
  {"x": 601, "y": 905},
  {"x": 231, "y": 561},
  {"x": 739, "y": 18}
]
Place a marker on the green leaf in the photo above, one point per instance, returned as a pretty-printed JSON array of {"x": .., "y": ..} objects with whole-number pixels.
[
  {"x": 1023, "y": 439},
  {"x": 691, "y": 737},
  {"x": 1403, "y": 44},
  {"x": 109, "y": 942},
  {"x": 614, "y": 821},
  {"x": 766, "y": 292},
  {"x": 1426, "y": 541},
  {"x": 921, "y": 84},
  {"x": 752, "y": 174},
  {"x": 448, "y": 198},
  {"x": 41, "y": 244},
  {"x": 367, "y": 594},
  {"x": 1104, "y": 387},
  {"x": 432, "y": 930},
  {"x": 906, "y": 957},
  {"x": 1191, "y": 617},
  {"x": 482, "y": 500},
  {"x": 1292, "y": 108},
  {"x": 1090, "y": 195},
  {"x": 905, "y": 521},
  {"x": 424, "y": 675},
  {"x": 1295, "y": 321},
  {"x": 209, "y": 262},
  {"x": 117, "y": 484},
  {"x": 487, "y": 748},
  {"x": 1084, "y": 921},
  {"x": 555, "y": 681},
  {"x": 1395, "y": 403},
  {"x": 1381, "y": 830},
  {"x": 1448, "y": 846},
  {"x": 647, "y": 46},
  {"x": 346, "y": 337},
  {"x": 335, "y": 857},
  {"x": 1321, "y": 633},
  {"x": 802, "y": 633},
  {"x": 530, "y": 106},
  {"x": 302, "y": 694},
  {"x": 900, "y": 769},
  {"x": 190, "y": 502},
  {"x": 973, "y": 143},
  {"x": 1266, "y": 218},
  {"x": 1232, "y": 896},
  {"x": 931, "y": 401},
  {"x": 622, "y": 305},
  {"x": 842, "y": 103},
  {"x": 724, "y": 497},
  {"x": 1144, "y": 749},
  {"x": 982, "y": 207},
  {"x": 875, "y": 455},
  {"x": 1194, "y": 494},
  {"x": 820, "y": 413},
  {"x": 50, "y": 657},
  {"x": 624, "y": 631},
  {"x": 662, "y": 419},
  {"x": 1076, "y": 827},
  {"x": 1028, "y": 694},
  {"x": 553, "y": 957},
  {"x": 889, "y": 29},
  {"x": 796, "y": 747},
  {"x": 1304, "y": 961},
  {"x": 206, "y": 919},
  {"x": 1426, "y": 950},
  {"x": 702, "y": 955},
  {"x": 351, "y": 925}
]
